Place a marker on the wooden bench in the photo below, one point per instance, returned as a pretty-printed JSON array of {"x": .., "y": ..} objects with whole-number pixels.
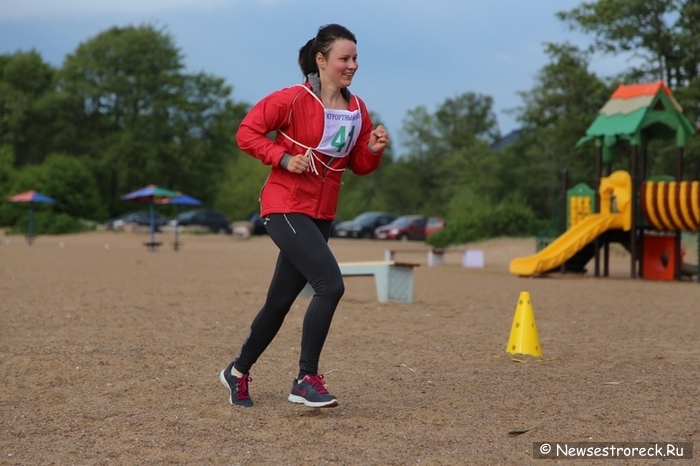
[
  {"x": 394, "y": 280},
  {"x": 470, "y": 257}
]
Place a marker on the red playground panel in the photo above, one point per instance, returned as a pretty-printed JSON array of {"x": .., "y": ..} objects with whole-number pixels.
[{"x": 659, "y": 261}]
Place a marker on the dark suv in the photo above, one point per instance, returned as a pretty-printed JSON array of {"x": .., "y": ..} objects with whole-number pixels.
[
  {"x": 216, "y": 221},
  {"x": 363, "y": 225}
]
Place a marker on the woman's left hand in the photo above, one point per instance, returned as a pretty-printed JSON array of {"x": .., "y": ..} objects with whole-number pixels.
[{"x": 378, "y": 139}]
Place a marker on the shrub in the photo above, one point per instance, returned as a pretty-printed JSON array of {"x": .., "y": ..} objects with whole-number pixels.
[
  {"x": 70, "y": 183},
  {"x": 63, "y": 178},
  {"x": 506, "y": 219},
  {"x": 49, "y": 223}
]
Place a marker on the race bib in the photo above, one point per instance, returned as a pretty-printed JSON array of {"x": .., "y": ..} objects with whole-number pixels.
[{"x": 340, "y": 132}]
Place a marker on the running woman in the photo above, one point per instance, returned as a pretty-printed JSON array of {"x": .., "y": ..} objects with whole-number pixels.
[{"x": 321, "y": 130}]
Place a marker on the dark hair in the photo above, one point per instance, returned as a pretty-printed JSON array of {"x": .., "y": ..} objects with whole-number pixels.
[{"x": 321, "y": 43}]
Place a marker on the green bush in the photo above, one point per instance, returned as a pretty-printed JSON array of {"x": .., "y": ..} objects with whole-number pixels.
[
  {"x": 7, "y": 169},
  {"x": 506, "y": 219},
  {"x": 61, "y": 177},
  {"x": 67, "y": 180},
  {"x": 239, "y": 196},
  {"x": 49, "y": 223},
  {"x": 24, "y": 179}
]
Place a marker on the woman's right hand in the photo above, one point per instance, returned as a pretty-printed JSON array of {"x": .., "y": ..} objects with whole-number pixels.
[{"x": 298, "y": 164}]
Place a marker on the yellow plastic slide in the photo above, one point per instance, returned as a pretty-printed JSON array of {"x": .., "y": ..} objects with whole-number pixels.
[
  {"x": 617, "y": 186},
  {"x": 564, "y": 247}
]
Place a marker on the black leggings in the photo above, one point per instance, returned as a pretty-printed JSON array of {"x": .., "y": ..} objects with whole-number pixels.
[{"x": 304, "y": 257}]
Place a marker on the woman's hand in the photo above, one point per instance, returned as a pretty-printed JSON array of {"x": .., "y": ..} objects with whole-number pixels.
[
  {"x": 298, "y": 164},
  {"x": 378, "y": 139}
]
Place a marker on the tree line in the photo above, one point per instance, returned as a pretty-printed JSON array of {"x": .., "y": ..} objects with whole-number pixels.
[{"x": 122, "y": 112}]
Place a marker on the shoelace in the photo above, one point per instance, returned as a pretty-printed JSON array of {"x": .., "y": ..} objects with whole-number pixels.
[
  {"x": 318, "y": 383},
  {"x": 242, "y": 386}
]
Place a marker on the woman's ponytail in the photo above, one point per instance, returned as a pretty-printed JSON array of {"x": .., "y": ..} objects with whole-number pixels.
[{"x": 307, "y": 58}]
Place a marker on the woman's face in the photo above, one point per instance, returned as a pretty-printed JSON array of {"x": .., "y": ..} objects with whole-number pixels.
[{"x": 341, "y": 64}]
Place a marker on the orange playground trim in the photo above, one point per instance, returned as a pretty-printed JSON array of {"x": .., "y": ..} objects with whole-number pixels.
[{"x": 628, "y": 91}]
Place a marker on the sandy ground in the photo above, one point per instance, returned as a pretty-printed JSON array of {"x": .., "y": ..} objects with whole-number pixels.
[{"x": 110, "y": 354}]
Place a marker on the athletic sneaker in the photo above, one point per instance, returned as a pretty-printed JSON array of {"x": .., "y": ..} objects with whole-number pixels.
[
  {"x": 311, "y": 391},
  {"x": 237, "y": 387}
]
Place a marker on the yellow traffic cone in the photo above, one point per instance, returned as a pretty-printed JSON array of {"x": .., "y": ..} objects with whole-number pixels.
[{"x": 523, "y": 334}]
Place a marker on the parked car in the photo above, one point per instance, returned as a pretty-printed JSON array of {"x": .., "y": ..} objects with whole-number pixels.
[
  {"x": 141, "y": 218},
  {"x": 363, "y": 225},
  {"x": 216, "y": 221},
  {"x": 334, "y": 226},
  {"x": 434, "y": 224},
  {"x": 410, "y": 227}
]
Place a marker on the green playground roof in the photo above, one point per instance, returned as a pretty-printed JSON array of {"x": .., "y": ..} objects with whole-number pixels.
[{"x": 636, "y": 109}]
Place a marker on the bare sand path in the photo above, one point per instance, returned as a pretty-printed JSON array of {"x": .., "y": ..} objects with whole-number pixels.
[{"x": 111, "y": 356}]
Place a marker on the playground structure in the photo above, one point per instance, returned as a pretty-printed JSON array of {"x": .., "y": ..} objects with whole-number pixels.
[
  {"x": 646, "y": 217},
  {"x": 617, "y": 187}
]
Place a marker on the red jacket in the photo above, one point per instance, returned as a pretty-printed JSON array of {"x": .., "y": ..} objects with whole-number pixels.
[{"x": 298, "y": 114}]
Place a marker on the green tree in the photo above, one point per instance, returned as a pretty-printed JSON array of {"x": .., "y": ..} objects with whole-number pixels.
[
  {"x": 239, "y": 195},
  {"x": 7, "y": 175},
  {"x": 664, "y": 35},
  {"x": 25, "y": 123},
  {"x": 555, "y": 114},
  {"x": 649, "y": 29},
  {"x": 446, "y": 150},
  {"x": 140, "y": 120},
  {"x": 467, "y": 117},
  {"x": 7, "y": 168}
]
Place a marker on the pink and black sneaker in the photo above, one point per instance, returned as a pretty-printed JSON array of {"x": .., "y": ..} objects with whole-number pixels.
[
  {"x": 311, "y": 391},
  {"x": 237, "y": 387}
]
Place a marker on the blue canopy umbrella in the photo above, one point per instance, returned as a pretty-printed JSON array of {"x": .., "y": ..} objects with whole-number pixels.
[
  {"x": 151, "y": 194},
  {"x": 31, "y": 197},
  {"x": 180, "y": 199}
]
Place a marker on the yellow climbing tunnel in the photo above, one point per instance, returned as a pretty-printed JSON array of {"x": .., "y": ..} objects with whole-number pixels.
[{"x": 671, "y": 205}]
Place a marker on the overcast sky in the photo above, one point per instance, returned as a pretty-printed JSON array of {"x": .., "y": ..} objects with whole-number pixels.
[{"x": 411, "y": 52}]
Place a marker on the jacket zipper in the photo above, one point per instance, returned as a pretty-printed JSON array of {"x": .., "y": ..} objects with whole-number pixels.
[{"x": 323, "y": 191}]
